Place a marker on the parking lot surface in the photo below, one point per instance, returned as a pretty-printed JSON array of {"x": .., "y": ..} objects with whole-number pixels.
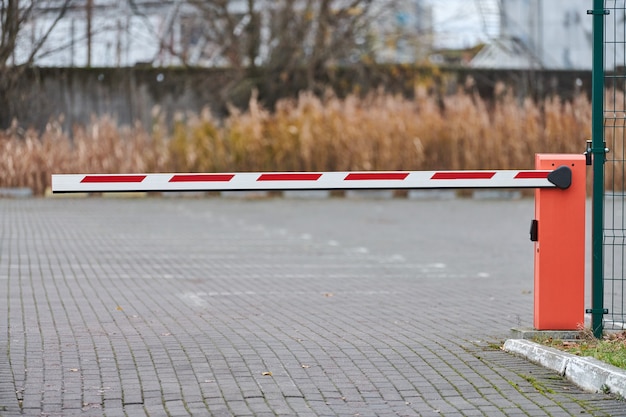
[{"x": 263, "y": 307}]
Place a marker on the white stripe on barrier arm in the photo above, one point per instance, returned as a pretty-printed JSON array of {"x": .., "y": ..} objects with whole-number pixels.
[{"x": 246, "y": 181}]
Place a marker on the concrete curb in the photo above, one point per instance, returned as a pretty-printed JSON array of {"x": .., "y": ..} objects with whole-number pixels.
[{"x": 588, "y": 373}]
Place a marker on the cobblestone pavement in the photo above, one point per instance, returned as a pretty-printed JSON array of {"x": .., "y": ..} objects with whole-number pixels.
[{"x": 231, "y": 307}]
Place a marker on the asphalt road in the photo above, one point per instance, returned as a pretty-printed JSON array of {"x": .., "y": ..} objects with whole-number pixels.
[{"x": 231, "y": 307}]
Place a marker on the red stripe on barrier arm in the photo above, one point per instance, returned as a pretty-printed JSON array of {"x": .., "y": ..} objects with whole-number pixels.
[
  {"x": 376, "y": 176},
  {"x": 463, "y": 175},
  {"x": 201, "y": 178},
  {"x": 289, "y": 177},
  {"x": 531, "y": 174},
  {"x": 112, "y": 178}
]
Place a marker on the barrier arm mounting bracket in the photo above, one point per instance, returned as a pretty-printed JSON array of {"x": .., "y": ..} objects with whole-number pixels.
[{"x": 561, "y": 177}]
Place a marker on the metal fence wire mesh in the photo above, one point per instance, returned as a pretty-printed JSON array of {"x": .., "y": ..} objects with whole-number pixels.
[{"x": 614, "y": 230}]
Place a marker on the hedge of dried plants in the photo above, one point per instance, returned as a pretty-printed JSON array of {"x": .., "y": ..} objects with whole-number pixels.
[{"x": 378, "y": 132}]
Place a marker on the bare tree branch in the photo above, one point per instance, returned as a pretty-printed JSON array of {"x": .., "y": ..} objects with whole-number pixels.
[
  {"x": 16, "y": 16},
  {"x": 275, "y": 39},
  {"x": 40, "y": 42},
  {"x": 12, "y": 17}
]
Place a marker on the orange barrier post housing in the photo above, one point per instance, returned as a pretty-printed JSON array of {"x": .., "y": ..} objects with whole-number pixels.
[{"x": 559, "y": 235}]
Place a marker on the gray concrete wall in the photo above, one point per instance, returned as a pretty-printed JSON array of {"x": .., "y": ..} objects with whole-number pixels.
[{"x": 132, "y": 94}]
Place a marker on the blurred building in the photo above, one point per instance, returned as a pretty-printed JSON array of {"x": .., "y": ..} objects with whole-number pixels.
[
  {"x": 403, "y": 32},
  {"x": 121, "y": 33},
  {"x": 542, "y": 34}
]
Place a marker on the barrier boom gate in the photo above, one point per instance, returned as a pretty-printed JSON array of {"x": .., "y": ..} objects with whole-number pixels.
[{"x": 559, "y": 179}]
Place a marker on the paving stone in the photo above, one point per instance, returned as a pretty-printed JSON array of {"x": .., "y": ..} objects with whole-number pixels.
[{"x": 368, "y": 306}]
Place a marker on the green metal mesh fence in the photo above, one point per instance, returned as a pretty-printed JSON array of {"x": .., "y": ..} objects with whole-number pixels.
[{"x": 614, "y": 230}]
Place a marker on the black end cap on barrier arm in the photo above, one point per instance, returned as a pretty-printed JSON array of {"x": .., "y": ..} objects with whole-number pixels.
[{"x": 561, "y": 177}]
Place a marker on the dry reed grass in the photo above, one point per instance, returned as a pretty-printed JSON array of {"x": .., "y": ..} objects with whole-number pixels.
[{"x": 378, "y": 132}]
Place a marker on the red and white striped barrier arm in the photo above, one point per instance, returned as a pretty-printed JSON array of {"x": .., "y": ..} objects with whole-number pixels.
[{"x": 67, "y": 183}]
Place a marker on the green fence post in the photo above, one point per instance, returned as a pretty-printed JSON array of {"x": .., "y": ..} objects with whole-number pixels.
[{"x": 598, "y": 152}]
